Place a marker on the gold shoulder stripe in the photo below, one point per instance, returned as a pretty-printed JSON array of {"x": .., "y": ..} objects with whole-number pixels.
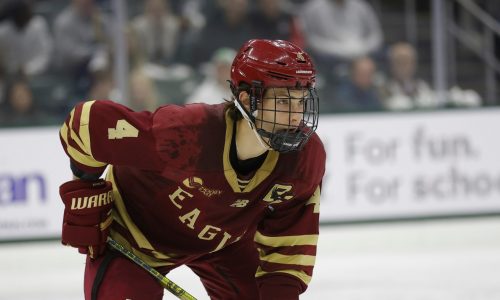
[
  {"x": 77, "y": 155},
  {"x": 74, "y": 136},
  {"x": 84, "y": 125},
  {"x": 299, "y": 259},
  {"x": 291, "y": 240},
  {"x": 299, "y": 274},
  {"x": 315, "y": 200}
]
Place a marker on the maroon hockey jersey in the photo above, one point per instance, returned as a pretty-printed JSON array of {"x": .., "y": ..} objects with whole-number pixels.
[{"x": 177, "y": 195}]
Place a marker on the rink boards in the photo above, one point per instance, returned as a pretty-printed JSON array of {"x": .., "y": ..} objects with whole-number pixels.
[
  {"x": 379, "y": 167},
  {"x": 411, "y": 165}
]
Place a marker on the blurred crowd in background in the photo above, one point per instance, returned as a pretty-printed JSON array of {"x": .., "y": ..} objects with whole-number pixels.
[{"x": 55, "y": 53}]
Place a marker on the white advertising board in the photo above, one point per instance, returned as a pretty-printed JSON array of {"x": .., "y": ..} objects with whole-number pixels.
[
  {"x": 379, "y": 166},
  {"x": 411, "y": 165},
  {"x": 32, "y": 166}
]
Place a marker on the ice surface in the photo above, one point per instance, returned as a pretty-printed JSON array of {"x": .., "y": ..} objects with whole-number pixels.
[{"x": 431, "y": 260}]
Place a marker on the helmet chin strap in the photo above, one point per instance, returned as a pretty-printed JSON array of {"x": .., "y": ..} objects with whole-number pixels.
[{"x": 251, "y": 123}]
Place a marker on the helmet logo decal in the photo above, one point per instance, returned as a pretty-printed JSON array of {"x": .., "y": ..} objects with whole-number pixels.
[{"x": 300, "y": 57}]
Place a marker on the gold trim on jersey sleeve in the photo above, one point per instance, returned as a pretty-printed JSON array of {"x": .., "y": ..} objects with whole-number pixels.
[
  {"x": 83, "y": 137},
  {"x": 80, "y": 157},
  {"x": 73, "y": 134},
  {"x": 298, "y": 259},
  {"x": 299, "y": 274},
  {"x": 281, "y": 241},
  {"x": 84, "y": 125},
  {"x": 230, "y": 174},
  {"x": 314, "y": 200}
]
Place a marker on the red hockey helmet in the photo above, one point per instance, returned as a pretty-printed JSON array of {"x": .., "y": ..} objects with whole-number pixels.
[
  {"x": 261, "y": 65},
  {"x": 273, "y": 63}
]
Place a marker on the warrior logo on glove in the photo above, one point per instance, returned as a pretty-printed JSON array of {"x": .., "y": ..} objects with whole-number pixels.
[
  {"x": 87, "y": 215},
  {"x": 92, "y": 201}
]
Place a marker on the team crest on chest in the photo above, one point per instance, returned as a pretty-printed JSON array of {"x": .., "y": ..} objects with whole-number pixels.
[
  {"x": 278, "y": 193},
  {"x": 197, "y": 183}
]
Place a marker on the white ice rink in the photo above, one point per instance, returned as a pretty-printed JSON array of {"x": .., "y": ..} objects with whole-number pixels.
[{"x": 431, "y": 260}]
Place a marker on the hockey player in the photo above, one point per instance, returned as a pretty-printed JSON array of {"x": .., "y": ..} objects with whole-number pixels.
[{"x": 230, "y": 190}]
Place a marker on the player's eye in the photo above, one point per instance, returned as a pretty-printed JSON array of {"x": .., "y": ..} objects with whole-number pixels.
[{"x": 282, "y": 101}]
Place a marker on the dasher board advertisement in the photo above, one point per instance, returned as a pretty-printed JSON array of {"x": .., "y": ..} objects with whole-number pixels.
[
  {"x": 380, "y": 166},
  {"x": 411, "y": 165},
  {"x": 32, "y": 166}
]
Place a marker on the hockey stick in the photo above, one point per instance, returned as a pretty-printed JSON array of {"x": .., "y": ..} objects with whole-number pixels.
[{"x": 164, "y": 281}]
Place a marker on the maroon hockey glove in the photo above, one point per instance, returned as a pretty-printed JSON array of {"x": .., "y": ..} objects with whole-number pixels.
[{"x": 87, "y": 215}]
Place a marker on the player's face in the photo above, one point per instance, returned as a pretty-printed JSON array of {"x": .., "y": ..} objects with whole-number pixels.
[{"x": 281, "y": 109}]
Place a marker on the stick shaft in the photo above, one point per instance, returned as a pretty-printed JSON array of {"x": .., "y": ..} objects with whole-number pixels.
[{"x": 164, "y": 281}]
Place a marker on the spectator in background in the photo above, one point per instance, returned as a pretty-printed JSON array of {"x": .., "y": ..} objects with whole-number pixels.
[
  {"x": 227, "y": 26},
  {"x": 192, "y": 19},
  {"x": 338, "y": 31},
  {"x": 214, "y": 88},
  {"x": 142, "y": 90},
  {"x": 158, "y": 32},
  {"x": 271, "y": 20},
  {"x": 142, "y": 94},
  {"x": 25, "y": 40},
  {"x": 19, "y": 108},
  {"x": 404, "y": 90},
  {"x": 82, "y": 42},
  {"x": 359, "y": 92}
]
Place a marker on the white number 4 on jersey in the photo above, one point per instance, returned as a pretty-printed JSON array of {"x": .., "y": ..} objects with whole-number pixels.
[{"x": 122, "y": 129}]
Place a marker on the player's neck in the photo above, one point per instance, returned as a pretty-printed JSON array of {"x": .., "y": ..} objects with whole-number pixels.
[{"x": 247, "y": 143}]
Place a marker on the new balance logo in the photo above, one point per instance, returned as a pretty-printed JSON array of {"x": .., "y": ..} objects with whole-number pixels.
[{"x": 240, "y": 203}]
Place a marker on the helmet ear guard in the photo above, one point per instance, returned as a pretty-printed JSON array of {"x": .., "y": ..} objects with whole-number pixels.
[
  {"x": 256, "y": 91},
  {"x": 249, "y": 116},
  {"x": 256, "y": 94}
]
